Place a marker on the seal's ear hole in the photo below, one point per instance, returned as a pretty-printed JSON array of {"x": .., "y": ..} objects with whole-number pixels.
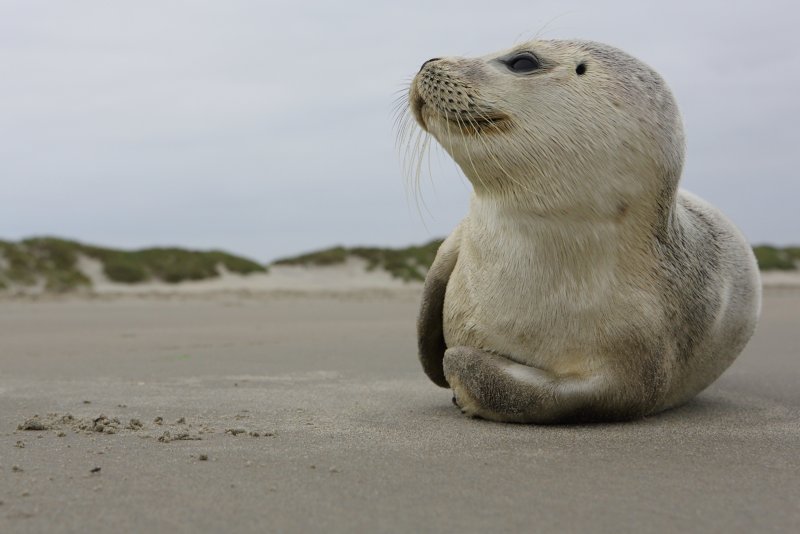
[{"x": 581, "y": 69}]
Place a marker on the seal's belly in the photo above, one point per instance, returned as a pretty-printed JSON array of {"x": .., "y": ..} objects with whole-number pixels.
[{"x": 522, "y": 319}]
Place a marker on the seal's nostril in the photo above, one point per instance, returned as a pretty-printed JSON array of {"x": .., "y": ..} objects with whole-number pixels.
[{"x": 429, "y": 61}]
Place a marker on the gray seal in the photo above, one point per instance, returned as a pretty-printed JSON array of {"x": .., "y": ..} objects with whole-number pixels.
[{"x": 582, "y": 285}]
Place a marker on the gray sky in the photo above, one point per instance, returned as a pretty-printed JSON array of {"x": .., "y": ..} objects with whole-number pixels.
[{"x": 265, "y": 127}]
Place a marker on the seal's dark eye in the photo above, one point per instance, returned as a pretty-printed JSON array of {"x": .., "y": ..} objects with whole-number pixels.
[{"x": 523, "y": 63}]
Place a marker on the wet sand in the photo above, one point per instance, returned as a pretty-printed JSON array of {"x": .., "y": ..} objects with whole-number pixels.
[{"x": 310, "y": 413}]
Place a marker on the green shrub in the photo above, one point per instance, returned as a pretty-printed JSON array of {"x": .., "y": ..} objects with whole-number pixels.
[
  {"x": 407, "y": 264},
  {"x": 236, "y": 264},
  {"x": 51, "y": 253},
  {"x": 53, "y": 260},
  {"x": 330, "y": 256},
  {"x": 170, "y": 265},
  {"x": 773, "y": 258},
  {"x": 56, "y": 262},
  {"x": 121, "y": 267},
  {"x": 794, "y": 253},
  {"x": 65, "y": 281},
  {"x": 21, "y": 266}
]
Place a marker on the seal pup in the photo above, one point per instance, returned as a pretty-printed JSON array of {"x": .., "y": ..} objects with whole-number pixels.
[{"x": 582, "y": 285}]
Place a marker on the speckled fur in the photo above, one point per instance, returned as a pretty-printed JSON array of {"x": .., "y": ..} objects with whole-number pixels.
[{"x": 582, "y": 285}]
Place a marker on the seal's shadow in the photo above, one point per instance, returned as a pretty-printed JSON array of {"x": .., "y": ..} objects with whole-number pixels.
[{"x": 705, "y": 407}]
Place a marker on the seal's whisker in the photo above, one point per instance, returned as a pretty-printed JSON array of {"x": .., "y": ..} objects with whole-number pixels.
[
  {"x": 418, "y": 145},
  {"x": 405, "y": 85},
  {"x": 401, "y": 124},
  {"x": 407, "y": 157},
  {"x": 402, "y": 119},
  {"x": 478, "y": 134},
  {"x": 412, "y": 169},
  {"x": 491, "y": 153},
  {"x": 469, "y": 154},
  {"x": 400, "y": 102},
  {"x": 422, "y": 156},
  {"x": 409, "y": 128},
  {"x": 538, "y": 34},
  {"x": 400, "y": 105},
  {"x": 415, "y": 147},
  {"x": 408, "y": 154}
]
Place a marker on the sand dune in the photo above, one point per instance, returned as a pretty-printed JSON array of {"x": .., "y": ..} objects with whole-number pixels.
[{"x": 350, "y": 276}]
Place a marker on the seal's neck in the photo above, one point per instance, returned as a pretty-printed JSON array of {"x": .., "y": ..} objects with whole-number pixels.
[
  {"x": 560, "y": 228},
  {"x": 567, "y": 190},
  {"x": 577, "y": 251}
]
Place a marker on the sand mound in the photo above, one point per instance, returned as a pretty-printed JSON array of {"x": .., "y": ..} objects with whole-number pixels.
[{"x": 352, "y": 275}]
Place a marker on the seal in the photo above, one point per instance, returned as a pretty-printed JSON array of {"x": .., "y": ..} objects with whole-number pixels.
[{"x": 582, "y": 285}]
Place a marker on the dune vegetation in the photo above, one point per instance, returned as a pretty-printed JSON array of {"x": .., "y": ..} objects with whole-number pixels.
[
  {"x": 408, "y": 263},
  {"x": 54, "y": 262},
  {"x": 411, "y": 263},
  {"x": 775, "y": 258}
]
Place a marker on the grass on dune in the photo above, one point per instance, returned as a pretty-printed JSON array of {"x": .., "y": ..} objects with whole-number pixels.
[
  {"x": 408, "y": 264},
  {"x": 51, "y": 260},
  {"x": 775, "y": 258},
  {"x": 55, "y": 261}
]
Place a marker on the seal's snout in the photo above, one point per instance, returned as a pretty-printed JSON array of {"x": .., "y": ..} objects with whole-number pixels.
[
  {"x": 445, "y": 94},
  {"x": 429, "y": 61}
]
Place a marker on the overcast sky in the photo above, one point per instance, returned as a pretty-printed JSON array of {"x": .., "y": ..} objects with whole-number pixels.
[{"x": 265, "y": 127}]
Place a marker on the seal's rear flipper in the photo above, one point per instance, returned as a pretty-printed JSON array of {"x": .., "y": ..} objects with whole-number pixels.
[{"x": 493, "y": 387}]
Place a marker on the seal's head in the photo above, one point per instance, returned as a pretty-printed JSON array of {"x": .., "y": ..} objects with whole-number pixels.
[{"x": 562, "y": 127}]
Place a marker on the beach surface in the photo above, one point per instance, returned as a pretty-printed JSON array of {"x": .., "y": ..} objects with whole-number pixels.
[{"x": 308, "y": 411}]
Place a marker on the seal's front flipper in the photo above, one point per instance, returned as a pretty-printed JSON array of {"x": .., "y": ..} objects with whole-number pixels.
[
  {"x": 430, "y": 323},
  {"x": 493, "y": 387}
]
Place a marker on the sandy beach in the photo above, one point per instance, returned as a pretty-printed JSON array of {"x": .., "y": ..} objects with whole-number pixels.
[{"x": 278, "y": 412}]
